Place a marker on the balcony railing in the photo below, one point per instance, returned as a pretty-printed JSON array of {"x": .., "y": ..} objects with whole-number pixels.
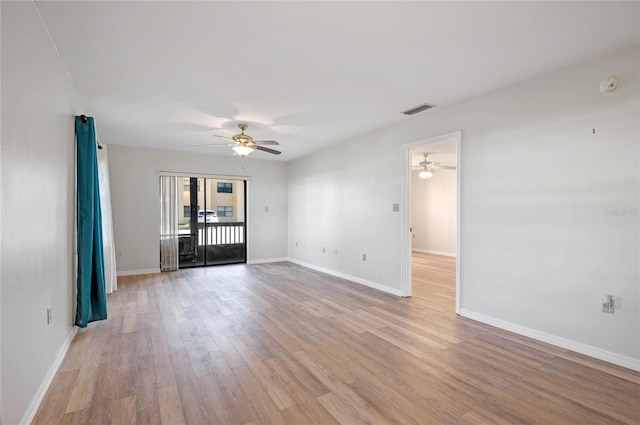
[{"x": 221, "y": 233}]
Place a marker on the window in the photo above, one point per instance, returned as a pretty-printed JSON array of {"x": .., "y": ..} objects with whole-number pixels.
[
  {"x": 225, "y": 211},
  {"x": 187, "y": 210},
  {"x": 187, "y": 185},
  {"x": 225, "y": 188}
]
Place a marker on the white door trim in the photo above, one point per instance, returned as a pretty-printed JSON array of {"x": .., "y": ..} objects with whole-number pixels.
[{"x": 405, "y": 216}]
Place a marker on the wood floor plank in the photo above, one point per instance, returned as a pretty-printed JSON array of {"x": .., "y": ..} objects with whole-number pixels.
[
  {"x": 54, "y": 403},
  {"x": 414, "y": 325},
  {"x": 402, "y": 331},
  {"x": 146, "y": 388},
  {"x": 78, "y": 349},
  {"x": 474, "y": 418},
  {"x": 301, "y": 373},
  {"x": 195, "y": 410},
  {"x": 275, "y": 391},
  {"x": 408, "y": 346},
  {"x": 124, "y": 411},
  {"x": 565, "y": 370},
  {"x": 267, "y": 411},
  {"x": 171, "y": 412},
  {"x": 100, "y": 409},
  {"x": 594, "y": 399},
  {"x": 450, "y": 381},
  {"x": 82, "y": 393},
  {"x": 279, "y": 343},
  {"x": 284, "y": 337},
  {"x": 125, "y": 377},
  {"x": 228, "y": 351},
  {"x": 341, "y": 410},
  {"x": 130, "y": 318},
  {"x": 572, "y": 411},
  {"x": 165, "y": 375},
  {"x": 295, "y": 415},
  {"x": 239, "y": 401},
  {"x": 263, "y": 344},
  {"x": 215, "y": 400},
  {"x": 78, "y": 417},
  {"x": 390, "y": 404},
  {"x": 340, "y": 389},
  {"x": 426, "y": 395},
  {"x": 314, "y": 412}
]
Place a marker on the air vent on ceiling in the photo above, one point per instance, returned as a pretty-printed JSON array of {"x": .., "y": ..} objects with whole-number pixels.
[{"x": 419, "y": 108}]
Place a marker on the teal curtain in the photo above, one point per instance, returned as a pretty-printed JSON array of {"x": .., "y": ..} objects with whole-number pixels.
[{"x": 92, "y": 297}]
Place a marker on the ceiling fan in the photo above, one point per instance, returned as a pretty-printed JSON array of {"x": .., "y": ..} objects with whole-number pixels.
[
  {"x": 428, "y": 168},
  {"x": 243, "y": 144}
]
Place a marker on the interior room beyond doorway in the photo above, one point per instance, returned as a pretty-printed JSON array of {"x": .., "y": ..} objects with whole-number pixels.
[{"x": 433, "y": 201}]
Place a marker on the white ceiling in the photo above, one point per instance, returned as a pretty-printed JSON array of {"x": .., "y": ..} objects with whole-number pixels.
[{"x": 309, "y": 74}]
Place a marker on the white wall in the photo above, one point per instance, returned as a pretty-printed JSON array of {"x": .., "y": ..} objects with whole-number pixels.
[
  {"x": 342, "y": 199},
  {"x": 538, "y": 248},
  {"x": 433, "y": 212},
  {"x": 39, "y": 102},
  {"x": 136, "y": 206}
]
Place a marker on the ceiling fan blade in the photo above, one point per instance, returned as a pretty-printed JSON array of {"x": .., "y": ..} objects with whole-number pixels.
[
  {"x": 446, "y": 167},
  {"x": 265, "y": 142},
  {"x": 208, "y": 145},
  {"x": 273, "y": 151},
  {"x": 225, "y": 138}
]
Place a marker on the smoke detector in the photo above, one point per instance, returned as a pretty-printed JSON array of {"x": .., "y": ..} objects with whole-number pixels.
[{"x": 609, "y": 84}]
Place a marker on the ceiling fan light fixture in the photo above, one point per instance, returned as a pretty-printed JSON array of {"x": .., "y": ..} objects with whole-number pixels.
[
  {"x": 242, "y": 150},
  {"x": 243, "y": 144},
  {"x": 426, "y": 174}
]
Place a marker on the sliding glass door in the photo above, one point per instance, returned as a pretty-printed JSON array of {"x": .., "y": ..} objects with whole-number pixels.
[{"x": 212, "y": 225}]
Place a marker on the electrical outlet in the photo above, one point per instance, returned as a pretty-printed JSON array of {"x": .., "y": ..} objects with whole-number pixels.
[
  {"x": 266, "y": 209},
  {"x": 396, "y": 207},
  {"x": 323, "y": 250},
  {"x": 607, "y": 304},
  {"x": 364, "y": 257},
  {"x": 49, "y": 315}
]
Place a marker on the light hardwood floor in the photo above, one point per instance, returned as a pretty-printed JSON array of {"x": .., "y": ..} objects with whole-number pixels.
[{"x": 279, "y": 343}]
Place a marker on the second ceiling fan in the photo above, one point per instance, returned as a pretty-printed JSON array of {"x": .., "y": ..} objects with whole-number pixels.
[
  {"x": 243, "y": 144},
  {"x": 428, "y": 168}
]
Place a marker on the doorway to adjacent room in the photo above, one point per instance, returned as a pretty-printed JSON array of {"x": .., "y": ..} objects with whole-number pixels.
[{"x": 431, "y": 213}]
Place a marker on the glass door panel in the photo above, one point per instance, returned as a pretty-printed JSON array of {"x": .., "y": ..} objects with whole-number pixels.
[
  {"x": 198, "y": 198},
  {"x": 189, "y": 255},
  {"x": 225, "y": 233},
  {"x": 212, "y": 222}
]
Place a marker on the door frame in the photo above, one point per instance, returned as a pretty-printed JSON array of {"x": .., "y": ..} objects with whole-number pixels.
[
  {"x": 242, "y": 178},
  {"x": 405, "y": 216}
]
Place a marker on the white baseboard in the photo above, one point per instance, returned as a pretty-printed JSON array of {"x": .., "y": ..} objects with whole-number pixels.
[
  {"x": 345, "y": 276},
  {"x": 35, "y": 404},
  {"x": 267, "y": 260},
  {"x": 430, "y": 251},
  {"x": 578, "y": 347},
  {"x": 137, "y": 272}
]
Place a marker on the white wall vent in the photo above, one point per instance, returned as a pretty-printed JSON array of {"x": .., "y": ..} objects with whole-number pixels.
[{"x": 419, "y": 108}]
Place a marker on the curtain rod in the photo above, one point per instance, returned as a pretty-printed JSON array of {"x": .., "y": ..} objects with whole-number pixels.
[{"x": 84, "y": 120}]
